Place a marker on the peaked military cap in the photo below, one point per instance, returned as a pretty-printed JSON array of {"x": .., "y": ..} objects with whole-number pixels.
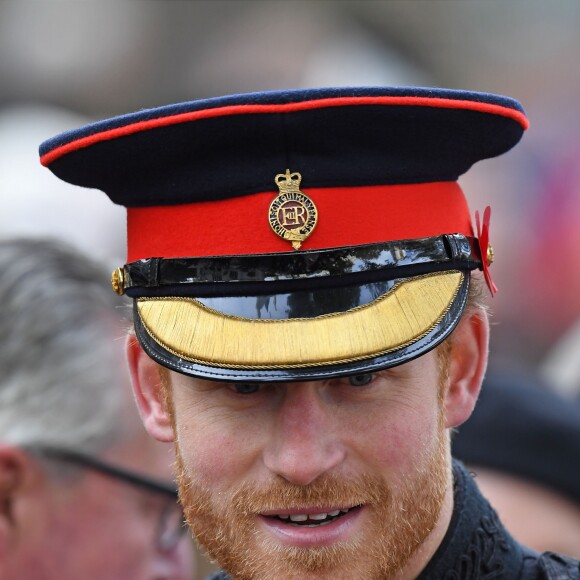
[{"x": 294, "y": 235}]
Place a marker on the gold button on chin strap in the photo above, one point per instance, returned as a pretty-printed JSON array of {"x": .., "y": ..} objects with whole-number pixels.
[
  {"x": 118, "y": 281},
  {"x": 490, "y": 256}
]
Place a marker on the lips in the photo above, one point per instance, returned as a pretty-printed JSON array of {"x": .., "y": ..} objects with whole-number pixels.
[{"x": 312, "y": 527}]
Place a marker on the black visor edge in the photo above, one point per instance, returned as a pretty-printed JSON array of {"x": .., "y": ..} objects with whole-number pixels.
[{"x": 399, "y": 356}]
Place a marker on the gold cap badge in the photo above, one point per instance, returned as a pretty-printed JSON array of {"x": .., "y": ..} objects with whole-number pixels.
[{"x": 292, "y": 214}]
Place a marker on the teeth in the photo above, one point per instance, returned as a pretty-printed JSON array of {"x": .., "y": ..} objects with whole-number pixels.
[{"x": 315, "y": 517}]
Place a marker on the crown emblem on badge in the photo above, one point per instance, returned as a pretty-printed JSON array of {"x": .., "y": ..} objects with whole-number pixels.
[{"x": 292, "y": 214}]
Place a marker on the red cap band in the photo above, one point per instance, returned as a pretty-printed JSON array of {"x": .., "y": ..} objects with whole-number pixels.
[{"x": 346, "y": 216}]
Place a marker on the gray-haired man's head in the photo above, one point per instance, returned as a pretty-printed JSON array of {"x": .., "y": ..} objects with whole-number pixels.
[{"x": 58, "y": 355}]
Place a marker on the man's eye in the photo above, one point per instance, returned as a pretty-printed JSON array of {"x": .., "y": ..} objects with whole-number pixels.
[
  {"x": 361, "y": 380},
  {"x": 246, "y": 388}
]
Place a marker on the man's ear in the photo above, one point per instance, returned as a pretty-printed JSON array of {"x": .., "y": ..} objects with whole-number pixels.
[
  {"x": 148, "y": 390},
  {"x": 17, "y": 471},
  {"x": 469, "y": 351}
]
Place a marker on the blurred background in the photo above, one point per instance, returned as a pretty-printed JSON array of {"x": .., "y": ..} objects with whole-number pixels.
[{"x": 67, "y": 62}]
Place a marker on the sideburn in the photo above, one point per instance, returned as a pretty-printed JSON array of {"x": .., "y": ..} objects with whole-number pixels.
[{"x": 167, "y": 397}]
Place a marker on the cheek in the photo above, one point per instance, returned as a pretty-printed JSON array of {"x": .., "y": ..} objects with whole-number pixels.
[
  {"x": 403, "y": 428},
  {"x": 218, "y": 452},
  {"x": 401, "y": 439},
  {"x": 105, "y": 518}
]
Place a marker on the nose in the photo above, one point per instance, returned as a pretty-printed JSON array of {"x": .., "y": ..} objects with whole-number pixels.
[{"x": 306, "y": 439}]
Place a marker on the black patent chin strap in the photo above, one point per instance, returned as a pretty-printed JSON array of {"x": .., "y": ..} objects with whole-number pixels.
[{"x": 292, "y": 271}]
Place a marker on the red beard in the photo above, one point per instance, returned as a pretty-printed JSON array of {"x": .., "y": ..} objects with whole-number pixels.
[{"x": 398, "y": 522}]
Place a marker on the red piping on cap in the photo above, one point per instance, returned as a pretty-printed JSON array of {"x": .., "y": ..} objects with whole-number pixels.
[{"x": 125, "y": 130}]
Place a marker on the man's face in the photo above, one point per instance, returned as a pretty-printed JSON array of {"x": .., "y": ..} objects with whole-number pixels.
[
  {"x": 96, "y": 527},
  {"x": 339, "y": 478}
]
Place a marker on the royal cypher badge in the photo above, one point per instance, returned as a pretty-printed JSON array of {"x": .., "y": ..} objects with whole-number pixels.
[{"x": 292, "y": 214}]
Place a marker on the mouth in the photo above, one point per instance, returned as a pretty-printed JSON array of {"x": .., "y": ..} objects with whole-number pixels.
[
  {"x": 313, "y": 527},
  {"x": 311, "y": 519}
]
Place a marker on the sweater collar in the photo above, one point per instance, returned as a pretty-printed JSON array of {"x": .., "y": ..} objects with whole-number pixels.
[{"x": 476, "y": 545}]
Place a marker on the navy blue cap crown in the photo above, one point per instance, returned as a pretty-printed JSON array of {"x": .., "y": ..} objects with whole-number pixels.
[{"x": 232, "y": 146}]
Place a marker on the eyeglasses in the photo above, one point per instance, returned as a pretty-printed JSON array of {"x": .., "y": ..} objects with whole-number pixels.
[{"x": 171, "y": 527}]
